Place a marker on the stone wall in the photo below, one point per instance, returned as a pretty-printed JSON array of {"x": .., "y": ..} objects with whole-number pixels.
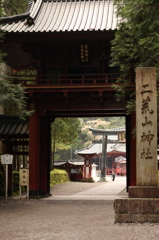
[{"x": 137, "y": 210}]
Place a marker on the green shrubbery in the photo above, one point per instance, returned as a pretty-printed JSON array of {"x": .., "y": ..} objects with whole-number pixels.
[
  {"x": 15, "y": 179},
  {"x": 2, "y": 184},
  {"x": 58, "y": 176}
]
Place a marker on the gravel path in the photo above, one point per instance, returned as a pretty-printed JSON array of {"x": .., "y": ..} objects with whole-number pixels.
[
  {"x": 70, "y": 188},
  {"x": 68, "y": 220}
]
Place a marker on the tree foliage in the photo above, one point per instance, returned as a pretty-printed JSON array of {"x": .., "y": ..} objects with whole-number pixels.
[
  {"x": 64, "y": 132},
  {"x": 14, "y": 7},
  {"x": 136, "y": 42},
  {"x": 117, "y": 122},
  {"x": 12, "y": 96}
]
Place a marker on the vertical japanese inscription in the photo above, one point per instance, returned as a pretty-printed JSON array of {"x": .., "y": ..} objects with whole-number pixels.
[
  {"x": 147, "y": 136},
  {"x": 146, "y": 126},
  {"x": 84, "y": 53},
  {"x": 24, "y": 177}
]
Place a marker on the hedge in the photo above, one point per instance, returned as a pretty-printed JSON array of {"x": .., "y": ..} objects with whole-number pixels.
[
  {"x": 15, "y": 179},
  {"x": 58, "y": 176},
  {"x": 15, "y": 189},
  {"x": 2, "y": 184}
]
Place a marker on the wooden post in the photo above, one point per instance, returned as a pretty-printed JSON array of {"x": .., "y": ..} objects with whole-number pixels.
[
  {"x": 146, "y": 134},
  {"x": 10, "y": 168},
  {"x": 44, "y": 158},
  {"x": 131, "y": 149},
  {"x": 34, "y": 155}
]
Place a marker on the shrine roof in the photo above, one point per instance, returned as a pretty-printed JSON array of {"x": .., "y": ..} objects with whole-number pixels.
[
  {"x": 120, "y": 147},
  {"x": 63, "y": 16},
  {"x": 73, "y": 163},
  {"x": 13, "y": 127},
  {"x": 120, "y": 159},
  {"x": 97, "y": 148}
]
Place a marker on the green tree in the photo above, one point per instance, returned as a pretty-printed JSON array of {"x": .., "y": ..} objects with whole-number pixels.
[
  {"x": 12, "y": 96},
  {"x": 14, "y": 7},
  {"x": 64, "y": 131},
  {"x": 117, "y": 122},
  {"x": 13, "y": 100},
  {"x": 136, "y": 42}
]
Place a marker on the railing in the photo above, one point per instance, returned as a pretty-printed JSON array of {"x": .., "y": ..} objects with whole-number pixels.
[{"x": 66, "y": 79}]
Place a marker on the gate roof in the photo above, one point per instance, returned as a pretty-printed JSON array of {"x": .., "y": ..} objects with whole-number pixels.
[{"x": 63, "y": 16}]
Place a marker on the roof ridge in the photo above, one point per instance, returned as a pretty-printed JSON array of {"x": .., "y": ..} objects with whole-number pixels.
[{"x": 35, "y": 8}]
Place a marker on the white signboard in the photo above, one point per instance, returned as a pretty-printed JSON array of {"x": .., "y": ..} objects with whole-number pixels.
[{"x": 6, "y": 159}]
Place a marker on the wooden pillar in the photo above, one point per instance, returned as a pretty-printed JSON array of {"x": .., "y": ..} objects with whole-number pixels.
[
  {"x": 34, "y": 155},
  {"x": 84, "y": 168},
  {"x": 131, "y": 149},
  {"x": 10, "y": 168},
  {"x": 44, "y": 158},
  {"x": 87, "y": 167}
]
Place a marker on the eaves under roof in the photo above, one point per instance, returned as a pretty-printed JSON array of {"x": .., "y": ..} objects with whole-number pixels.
[{"x": 63, "y": 16}]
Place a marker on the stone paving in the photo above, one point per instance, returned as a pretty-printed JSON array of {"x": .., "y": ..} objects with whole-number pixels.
[{"x": 89, "y": 191}]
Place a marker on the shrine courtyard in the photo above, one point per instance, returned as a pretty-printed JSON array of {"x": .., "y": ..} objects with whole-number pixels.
[{"x": 72, "y": 212}]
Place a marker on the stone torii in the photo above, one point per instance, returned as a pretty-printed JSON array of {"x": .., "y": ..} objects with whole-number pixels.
[{"x": 105, "y": 134}]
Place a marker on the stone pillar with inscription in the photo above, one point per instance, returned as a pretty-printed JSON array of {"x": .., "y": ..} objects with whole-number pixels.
[
  {"x": 142, "y": 203},
  {"x": 146, "y": 135}
]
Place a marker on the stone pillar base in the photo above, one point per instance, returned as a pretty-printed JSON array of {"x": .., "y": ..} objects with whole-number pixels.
[
  {"x": 136, "y": 210},
  {"x": 102, "y": 179},
  {"x": 143, "y": 192}
]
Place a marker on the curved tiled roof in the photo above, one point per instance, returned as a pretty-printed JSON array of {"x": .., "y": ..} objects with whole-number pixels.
[
  {"x": 64, "y": 16},
  {"x": 97, "y": 148},
  {"x": 13, "y": 127}
]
